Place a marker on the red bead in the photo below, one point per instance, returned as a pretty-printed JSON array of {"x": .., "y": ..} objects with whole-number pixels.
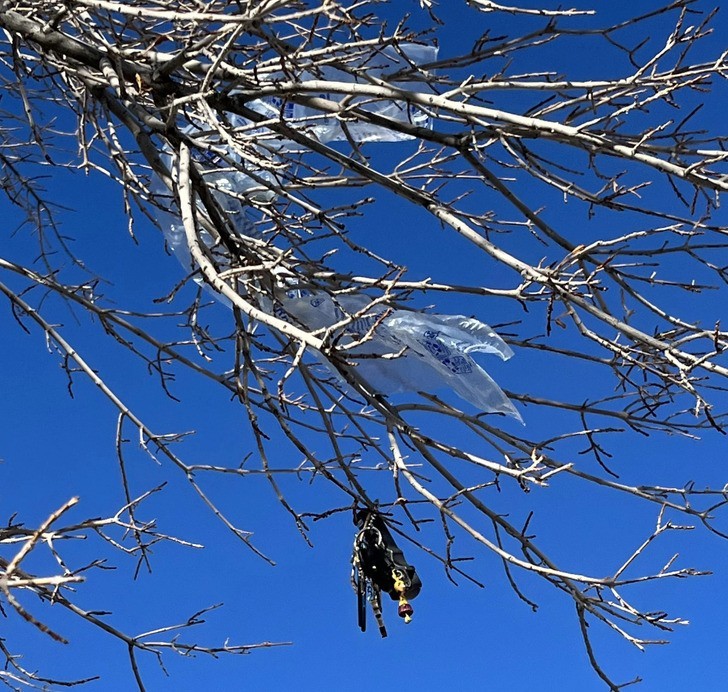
[{"x": 405, "y": 610}]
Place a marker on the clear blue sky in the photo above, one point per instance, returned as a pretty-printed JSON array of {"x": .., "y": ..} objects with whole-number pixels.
[{"x": 54, "y": 447}]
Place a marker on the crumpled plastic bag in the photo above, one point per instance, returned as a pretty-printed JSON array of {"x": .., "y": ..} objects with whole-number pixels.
[
  {"x": 328, "y": 128},
  {"x": 235, "y": 211},
  {"x": 400, "y": 350},
  {"x": 224, "y": 179},
  {"x": 406, "y": 351}
]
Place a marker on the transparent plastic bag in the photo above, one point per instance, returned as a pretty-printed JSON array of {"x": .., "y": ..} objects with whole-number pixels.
[
  {"x": 327, "y": 128},
  {"x": 395, "y": 350},
  {"x": 406, "y": 351},
  {"x": 229, "y": 188},
  {"x": 232, "y": 186}
]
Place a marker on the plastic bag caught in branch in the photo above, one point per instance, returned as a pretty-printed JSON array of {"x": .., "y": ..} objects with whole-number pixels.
[
  {"x": 226, "y": 172},
  {"x": 328, "y": 128},
  {"x": 393, "y": 350},
  {"x": 226, "y": 188},
  {"x": 231, "y": 189},
  {"x": 404, "y": 351}
]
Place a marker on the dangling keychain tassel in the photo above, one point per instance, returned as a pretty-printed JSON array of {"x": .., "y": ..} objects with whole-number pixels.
[{"x": 405, "y": 609}]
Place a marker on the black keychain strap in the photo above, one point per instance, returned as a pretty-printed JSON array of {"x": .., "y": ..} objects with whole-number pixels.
[{"x": 378, "y": 564}]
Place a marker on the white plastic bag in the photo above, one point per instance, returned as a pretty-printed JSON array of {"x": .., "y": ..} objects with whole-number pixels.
[{"x": 405, "y": 351}]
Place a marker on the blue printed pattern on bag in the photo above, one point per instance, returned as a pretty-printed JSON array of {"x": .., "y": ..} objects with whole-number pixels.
[
  {"x": 280, "y": 312},
  {"x": 362, "y": 326},
  {"x": 460, "y": 365},
  {"x": 286, "y": 108}
]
